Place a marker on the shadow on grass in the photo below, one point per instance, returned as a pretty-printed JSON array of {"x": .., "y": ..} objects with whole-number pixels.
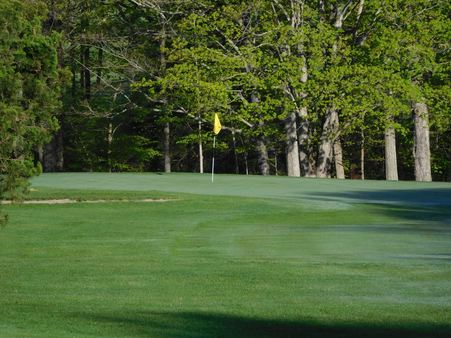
[
  {"x": 414, "y": 197},
  {"x": 193, "y": 324},
  {"x": 428, "y": 205}
]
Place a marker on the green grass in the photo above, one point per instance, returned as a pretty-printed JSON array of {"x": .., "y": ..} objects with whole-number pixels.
[{"x": 243, "y": 257}]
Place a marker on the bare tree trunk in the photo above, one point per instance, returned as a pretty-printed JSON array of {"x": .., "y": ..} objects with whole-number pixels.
[
  {"x": 338, "y": 151},
  {"x": 292, "y": 149},
  {"x": 40, "y": 151},
  {"x": 235, "y": 156},
  {"x": 246, "y": 164},
  {"x": 263, "y": 162},
  {"x": 303, "y": 143},
  {"x": 167, "y": 126},
  {"x": 325, "y": 152},
  {"x": 49, "y": 156},
  {"x": 324, "y": 159},
  {"x": 330, "y": 147},
  {"x": 276, "y": 168},
  {"x": 391, "y": 165},
  {"x": 110, "y": 142},
  {"x": 312, "y": 163},
  {"x": 166, "y": 147},
  {"x": 360, "y": 9},
  {"x": 305, "y": 164},
  {"x": 338, "y": 156},
  {"x": 421, "y": 151},
  {"x": 87, "y": 71},
  {"x": 262, "y": 150},
  {"x": 59, "y": 151}
]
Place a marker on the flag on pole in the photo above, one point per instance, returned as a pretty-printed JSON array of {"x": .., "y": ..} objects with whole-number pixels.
[
  {"x": 217, "y": 125},
  {"x": 216, "y": 129}
]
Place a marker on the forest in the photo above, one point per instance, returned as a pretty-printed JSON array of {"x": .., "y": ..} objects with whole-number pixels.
[{"x": 313, "y": 88}]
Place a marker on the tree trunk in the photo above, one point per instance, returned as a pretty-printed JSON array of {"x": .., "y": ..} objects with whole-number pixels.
[
  {"x": 325, "y": 152},
  {"x": 421, "y": 151},
  {"x": 276, "y": 168},
  {"x": 51, "y": 155},
  {"x": 40, "y": 151},
  {"x": 338, "y": 155},
  {"x": 303, "y": 142},
  {"x": 163, "y": 49},
  {"x": 391, "y": 165},
  {"x": 110, "y": 143},
  {"x": 60, "y": 151},
  {"x": 305, "y": 164},
  {"x": 167, "y": 127},
  {"x": 263, "y": 164},
  {"x": 324, "y": 159},
  {"x": 87, "y": 71},
  {"x": 312, "y": 163},
  {"x": 262, "y": 151},
  {"x": 340, "y": 16},
  {"x": 235, "y": 156},
  {"x": 246, "y": 164},
  {"x": 166, "y": 148},
  {"x": 360, "y": 9},
  {"x": 338, "y": 151},
  {"x": 49, "y": 158},
  {"x": 292, "y": 149}
]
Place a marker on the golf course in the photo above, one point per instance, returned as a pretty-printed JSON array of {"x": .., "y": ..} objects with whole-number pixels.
[{"x": 175, "y": 255}]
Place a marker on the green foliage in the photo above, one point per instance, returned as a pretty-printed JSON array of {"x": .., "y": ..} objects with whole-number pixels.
[
  {"x": 137, "y": 67},
  {"x": 29, "y": 91}
]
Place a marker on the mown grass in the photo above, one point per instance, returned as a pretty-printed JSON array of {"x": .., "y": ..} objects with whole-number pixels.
[{"x": 325, "y": 262}]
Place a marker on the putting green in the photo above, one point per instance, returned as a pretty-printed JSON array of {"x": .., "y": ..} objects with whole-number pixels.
[{"x": 310, "y": 191}]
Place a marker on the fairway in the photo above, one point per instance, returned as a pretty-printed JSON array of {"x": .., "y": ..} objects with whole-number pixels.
[{"x": 245, "y": 256}]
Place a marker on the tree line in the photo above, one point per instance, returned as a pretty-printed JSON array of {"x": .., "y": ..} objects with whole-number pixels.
[{"x": 315, "y": 88}]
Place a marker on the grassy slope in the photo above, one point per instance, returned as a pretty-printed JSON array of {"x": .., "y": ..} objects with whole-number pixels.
[{"x": 245, "y": 256}]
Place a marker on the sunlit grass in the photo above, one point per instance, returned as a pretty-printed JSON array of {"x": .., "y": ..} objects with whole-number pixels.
[{"x": 209, "y": 265}]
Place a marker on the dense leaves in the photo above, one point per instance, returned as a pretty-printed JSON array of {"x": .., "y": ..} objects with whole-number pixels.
[
  {"x": 148, "y": 75},
  {"x": 29, "y": 91}
]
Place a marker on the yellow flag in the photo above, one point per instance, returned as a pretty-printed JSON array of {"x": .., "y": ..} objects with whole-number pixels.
[{"x": 217, "y": 125}]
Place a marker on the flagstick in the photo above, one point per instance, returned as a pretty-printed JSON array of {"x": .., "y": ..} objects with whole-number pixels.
[{"x": 213, "y": 162}]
